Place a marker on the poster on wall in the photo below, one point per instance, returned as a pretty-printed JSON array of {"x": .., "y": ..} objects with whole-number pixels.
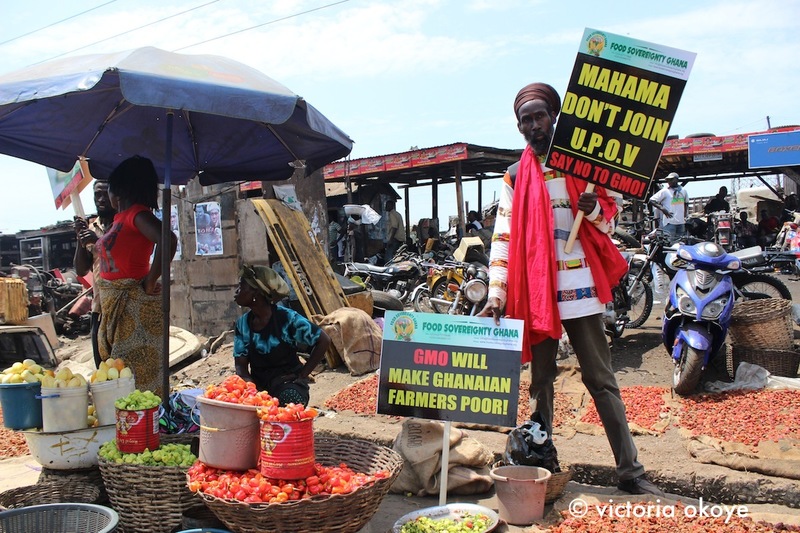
[
  {"x": 208, "y": 228},
  {"x": 174, "y": 226}
]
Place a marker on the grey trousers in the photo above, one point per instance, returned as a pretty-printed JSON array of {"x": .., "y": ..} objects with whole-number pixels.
[{"x": 594, "y": 357}]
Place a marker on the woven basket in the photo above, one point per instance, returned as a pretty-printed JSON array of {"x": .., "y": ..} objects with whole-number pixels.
[
  {"x": 147, "y": 498},
  {"x": 556, "y": 484},
  {"x": 763, "y": 324},
  {"x": 13, "y": 301},
  {"x": 777, "y": 362},
  {"x": 49, "y": 492},
  {"x": 335, "y": 513}
]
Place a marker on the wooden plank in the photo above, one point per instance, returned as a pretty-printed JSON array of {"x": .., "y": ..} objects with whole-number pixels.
[{"x": 305, "y": 262}]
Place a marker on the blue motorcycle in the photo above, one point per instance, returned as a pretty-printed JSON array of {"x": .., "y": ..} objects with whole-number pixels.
[{"x": 699, "y": 311}]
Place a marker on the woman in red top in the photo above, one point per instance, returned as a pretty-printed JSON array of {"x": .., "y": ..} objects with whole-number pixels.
[{"x": 132, "y": 317}]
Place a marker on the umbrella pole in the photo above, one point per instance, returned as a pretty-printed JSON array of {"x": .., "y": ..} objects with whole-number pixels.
[{"x": 166, "y": 210}]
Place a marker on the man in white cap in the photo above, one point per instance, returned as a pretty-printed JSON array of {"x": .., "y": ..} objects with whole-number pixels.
[{"x": 671, "y": 201}]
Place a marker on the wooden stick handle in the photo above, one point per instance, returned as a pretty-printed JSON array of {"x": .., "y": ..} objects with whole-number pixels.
[{"x": 573, "y": 234}]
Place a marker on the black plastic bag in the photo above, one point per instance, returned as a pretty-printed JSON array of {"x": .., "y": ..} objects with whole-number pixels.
[{"x": 530, "y": 445}]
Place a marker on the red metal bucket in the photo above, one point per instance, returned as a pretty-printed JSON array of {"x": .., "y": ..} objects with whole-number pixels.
[
  {"x": 287, "y": 449},
  {"x": 137, "y": 430}
]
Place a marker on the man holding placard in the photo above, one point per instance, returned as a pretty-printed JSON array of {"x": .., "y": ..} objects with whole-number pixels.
[{"x": 534, "y": 278}]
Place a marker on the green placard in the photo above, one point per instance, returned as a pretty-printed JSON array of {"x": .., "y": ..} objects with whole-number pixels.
[{"x": 450, "y": 367}]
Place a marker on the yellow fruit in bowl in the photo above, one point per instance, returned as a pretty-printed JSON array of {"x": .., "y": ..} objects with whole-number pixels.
[
  {"x": 126, "y": 372},
  {"x": 49, "y": 382},
  {"x": 113, "y": 373},
  {"x": 65, "y": 374}
]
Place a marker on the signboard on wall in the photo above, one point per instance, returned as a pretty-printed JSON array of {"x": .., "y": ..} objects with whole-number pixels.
[{"x": 774, "y": 150}]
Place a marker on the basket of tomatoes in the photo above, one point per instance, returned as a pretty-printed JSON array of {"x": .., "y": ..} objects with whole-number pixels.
[{"x": 350, "y": 479}]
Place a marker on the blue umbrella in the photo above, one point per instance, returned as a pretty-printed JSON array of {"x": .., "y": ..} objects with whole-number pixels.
[{"x": 192, "y": 115}]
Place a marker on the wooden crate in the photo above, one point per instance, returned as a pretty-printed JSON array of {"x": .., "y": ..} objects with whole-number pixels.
[{"x": 13, "y": 301}]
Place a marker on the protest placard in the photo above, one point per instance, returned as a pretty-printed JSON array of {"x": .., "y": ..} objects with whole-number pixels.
[
  {"x": 617, "y": 111},
  {"x": 450, "y": 367}
]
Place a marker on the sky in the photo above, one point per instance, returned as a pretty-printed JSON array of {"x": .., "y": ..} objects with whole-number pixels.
[{"x": 419, "y": 73}]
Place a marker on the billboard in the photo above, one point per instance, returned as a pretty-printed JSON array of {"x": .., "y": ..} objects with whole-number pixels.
[{"x": 773, "y": 150}]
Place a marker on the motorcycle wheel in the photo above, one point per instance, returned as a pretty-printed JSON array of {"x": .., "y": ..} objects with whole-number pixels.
[
  {"x": 382, "y": 302},
  {"x": 687, "y": 372},
  {"x": 422, "y": 301},
  {"x": 441, "y": 292},
  {"x": 760, "y": 286},
  {"x": 626, "y": 238},
  {"x": 641, "y": 303}
]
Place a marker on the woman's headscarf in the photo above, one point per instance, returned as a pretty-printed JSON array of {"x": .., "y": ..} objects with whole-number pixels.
[{"x": 266, "y": 281}]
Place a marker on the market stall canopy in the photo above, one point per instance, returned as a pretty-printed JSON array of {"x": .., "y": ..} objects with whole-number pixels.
[
  {"x": 703, "y": 157},
  {"x": 232, "y": 123},
  {"x": 420, "y": 167}
]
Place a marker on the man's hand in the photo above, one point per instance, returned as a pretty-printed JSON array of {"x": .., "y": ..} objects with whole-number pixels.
[
  {"x": 587, "y": 202},
  {"x": 493, "y": 307},
  {"x": 86, "y": 236}
]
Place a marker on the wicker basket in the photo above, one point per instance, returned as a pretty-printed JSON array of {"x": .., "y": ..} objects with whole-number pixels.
[
  {"x": 763, "y": 324},
  {"x": 13, "y": 301},
  {"x": 335, "y": 513},
  {"x": 777, "y": 362},
  {"x": 147, "y": 498},
  {"x": 49, "y": 492},
  {"x": 59, "y": 518}
]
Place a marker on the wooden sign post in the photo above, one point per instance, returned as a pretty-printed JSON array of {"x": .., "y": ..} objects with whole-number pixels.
[{"x": 450, "y": 368}]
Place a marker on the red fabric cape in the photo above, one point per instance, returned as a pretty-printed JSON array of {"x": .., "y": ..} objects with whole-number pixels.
[{"x": 532, "y": 282}]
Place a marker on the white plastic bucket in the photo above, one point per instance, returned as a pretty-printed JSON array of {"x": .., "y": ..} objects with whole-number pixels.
[
  {"x": 105, "y": 393},
  {"x": 64, "y": 409},
  {"x": 229, "y": 435}
]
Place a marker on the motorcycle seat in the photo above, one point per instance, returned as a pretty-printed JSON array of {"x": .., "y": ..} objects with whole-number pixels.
[{"x": 370, "y": 268}]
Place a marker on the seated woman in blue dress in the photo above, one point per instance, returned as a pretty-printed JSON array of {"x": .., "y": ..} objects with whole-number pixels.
[{"x": 268, "y": 336}]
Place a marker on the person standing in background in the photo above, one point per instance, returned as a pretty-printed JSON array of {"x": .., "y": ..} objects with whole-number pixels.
[
  {"x": 473, "y": 221},
  {"x": 718, "y": 203},
  {"x": 85, "y": 257},
  {"x": 395, "y": 231},
  {"x": 671, "y": 201},
  {"x": 132, "y": 324}
]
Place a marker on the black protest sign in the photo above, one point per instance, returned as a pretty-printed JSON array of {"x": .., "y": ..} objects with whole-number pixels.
[
  {"x": 445, "y": 367},
  {"x": 617, "y": 111}
]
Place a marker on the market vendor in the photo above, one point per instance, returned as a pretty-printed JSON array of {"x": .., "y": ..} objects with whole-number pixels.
[{"x": 267, "y": 337}]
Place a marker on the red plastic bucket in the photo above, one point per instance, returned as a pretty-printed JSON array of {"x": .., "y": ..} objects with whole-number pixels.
[
  {"x": 287, "y": 449},
  {"x": 137, "y": 431}
]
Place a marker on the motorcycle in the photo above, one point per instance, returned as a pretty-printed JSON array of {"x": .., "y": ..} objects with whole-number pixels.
[
  {"x": 466, "y": 297},
  {"x": 397, "y": 279},
  {"x": 721, "y": 224},
  {"x": 632, "y": 301},
  {"x": 698, "y": 314},
  {"x": 749, "y": 284}
]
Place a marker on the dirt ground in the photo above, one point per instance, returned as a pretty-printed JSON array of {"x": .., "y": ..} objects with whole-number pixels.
[{"x": 638, "y": 358}]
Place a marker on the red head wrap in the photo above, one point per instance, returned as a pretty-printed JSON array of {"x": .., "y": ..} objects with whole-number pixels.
[{"x": 538, "y": 91}]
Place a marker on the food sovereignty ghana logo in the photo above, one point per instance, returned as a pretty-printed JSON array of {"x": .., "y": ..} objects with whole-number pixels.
[
  {"x": 596, "y": 43},
  {"x": 403, "y": 326}
]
